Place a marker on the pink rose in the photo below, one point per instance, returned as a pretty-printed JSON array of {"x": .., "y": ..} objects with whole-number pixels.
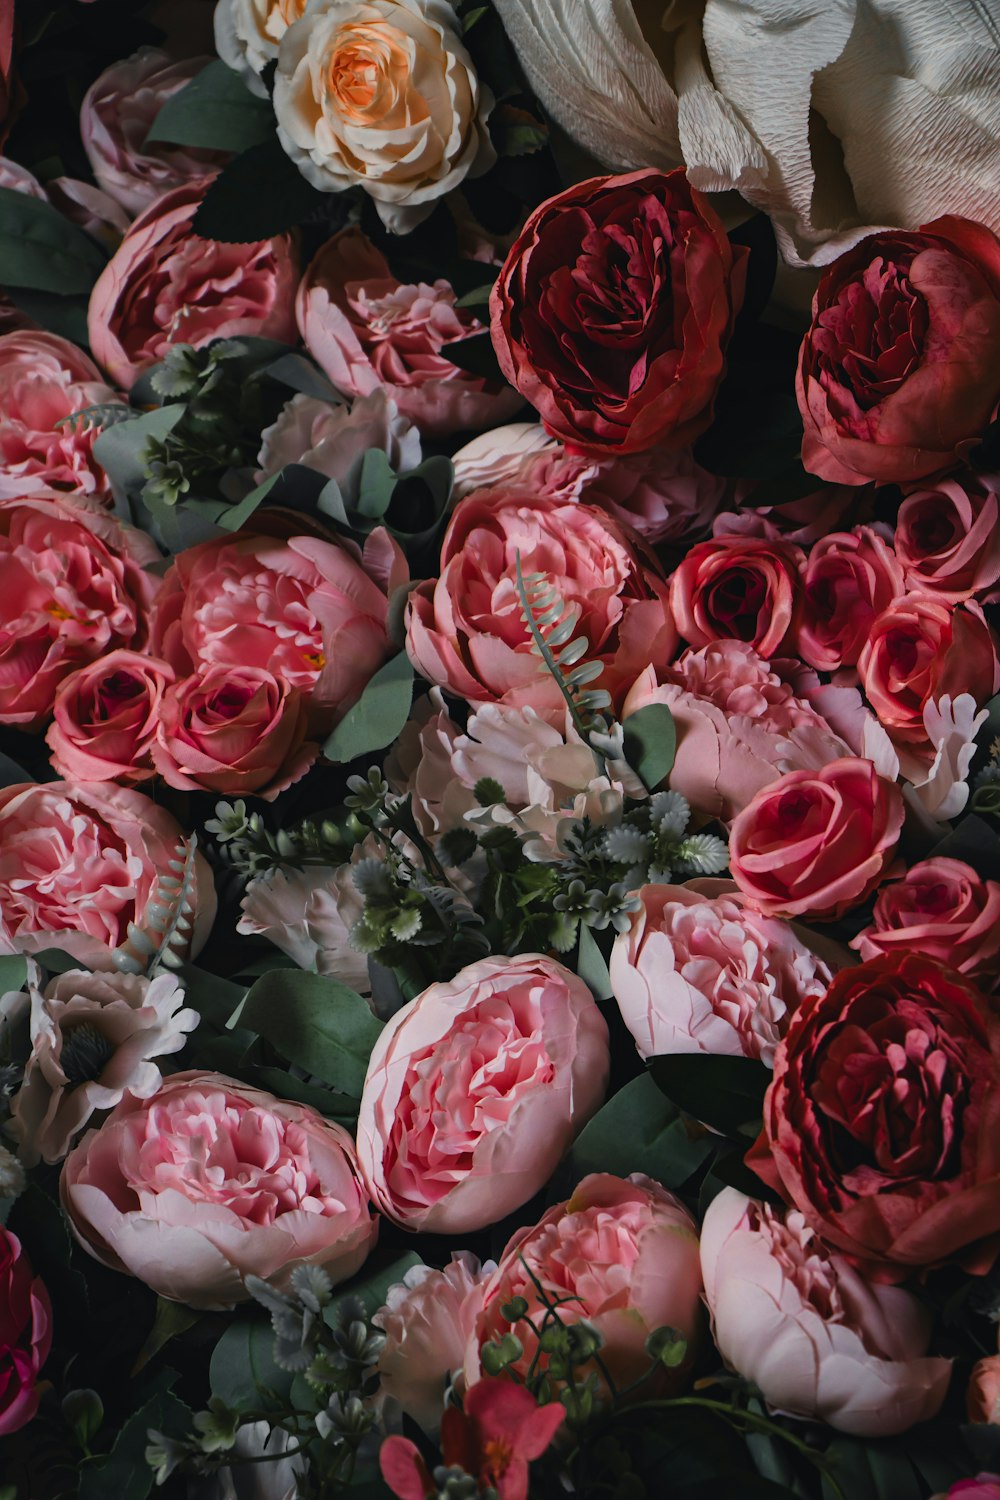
[
  {"x": 117, "y": 114},
  {"x": 663, "y": 496},
  {"x": 697, "y": 974},
  {"x": 800, "y": 1323},
  {"x": 848, "y": 579},
  {"x": 92, "y": 854},
  {"x": 210, "y": 1181},
  {"x": 466, "y": 631},
  {"x": 305, "y": 610},
  {"x": 72, "y": 587},
  {"x": 365, "y": 329},
  {"x": 982, "y": 1398},
  {"x": 25, "y": 1335},
  {"x": 165, "y": 285},
  {"x": 828, "y": 508},
  {"x": 624, "y": 1253},
  {"x": 983, "y": 1487},
  {"x": 105, "y": 716},
  {"x": 475, "y": 1090},
  {"x": 333, "y": 440},
  {"x": 948, "y": 538},
  {"x": 942, "y": 908},
  {"x": 816, "y": 844},
  {"x": 737, "y": 588},
  {"x": 44, "y": 380},
  {"x": 232, "y": 730}
]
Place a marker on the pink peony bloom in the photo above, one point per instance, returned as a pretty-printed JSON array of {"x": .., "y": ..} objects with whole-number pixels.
[
  {"x": 309, "y": 914},
  {"x": 737, "y": 588},
  {"x": 210, "y": 1181},
  {"x": 476, "y": 1088},
  {"x": 663, "y": 496},
  {"x": 105, "y": 716},
  {"x": 94, "y": 1038},
  {"x": 25, "y": 1335},
  {"x": 982, "y": 1398},
  {"x": 367, "y": 330},
  {"x": 697, "y": 974},
  {"x": 420, "y": 763},
  {"x": 79, "y": 861},
  {"x": 848, "y": 579},
  {"x": 942, "y": 908},
  {"x": 165, "y": 285},
  {"x": 948, "y": 538},
  {"x": 333, "y": 440},
  {"x": 498, "y": 456},
  {"x": 72, "y": 587},
  {"x": 799, "y": 1322}
]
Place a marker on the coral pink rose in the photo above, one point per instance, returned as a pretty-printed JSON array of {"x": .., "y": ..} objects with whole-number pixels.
[
  {"x": 72, "y": 587},
  {"x": 663, "y": 495},
  {"x": 367, "y": 330},
  {"x": 613, "y": 310},
  {"x": 942, "y": 908},
  {"x": 816, "y": 843},
  {"x": 105, "y": 716},
  {"x": 696, "y": 973},
  {"x": 800, "y": 1323},
  {"x": 476, "y": 1088},
  {"x": 164, "y": 285},
  {"x": 310, "y": 612},
  {"x": 233, "y": 730},
  {"x": 78, "y": 863},
  {"x": 882, "y": 1123},
  {"x": 466, "y": 631},
  {"x": 25, "y": 1335},
  {"x": 848, "y": 579},
  {"x": 948, "y": 538},
  {"x": 902, "y": 362},
  {"x": 982, "y": 1398},
  {"x": 210, "y": 1181},
  {"x": 117, "y": 114},
  {"x": 624, "y": 1255},
  {"x": 44, "y": 380},
  {"x": 737, "y": 588},
  {"x": 919, "y": 650}
]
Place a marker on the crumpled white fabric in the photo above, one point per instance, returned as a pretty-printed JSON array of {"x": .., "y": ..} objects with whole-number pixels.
[{"x": 836, "y": 117}]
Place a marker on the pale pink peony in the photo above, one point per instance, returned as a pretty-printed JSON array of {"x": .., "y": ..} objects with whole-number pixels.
[
  {"x": 94, "y": 1038},
  {"x": 848, "y": 579},
  {"x": 91, "y": 209},
  {"x": 420, "y": 763},
  {"x": 365, "y": 329},
  {"x": 165, "y": 285},
  {"x": 625, "y": 1254},
  {"x": 476, "y": 1088},
  {"x": 210, "y": 1181},
  {"x": 662, "y": 496},
  {"x": 79, "y": 861},
  {"x": 940, "y": 907},
  {"x": 498, "y": 456},
  {"x": 700, "y": 974},
  {"x": 948, "y": 538},
  {"x": 72, "y": 587},
  {"x": 333, "y": 439},
  {"x": 428, "y": 1320},
  {"x": 105, "y": 716},
  {"x": 799, "y": 1322},
  {"x": 117, "y": 114}
]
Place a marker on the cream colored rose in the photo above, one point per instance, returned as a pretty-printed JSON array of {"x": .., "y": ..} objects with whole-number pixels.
[
  {"x": 385, "y": 95},
  {"x": 248, "y": 34}
]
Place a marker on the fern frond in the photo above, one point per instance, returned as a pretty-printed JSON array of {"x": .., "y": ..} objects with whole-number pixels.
[
  {"x": 164, "y": 932},
  {"x": 552, "y": 624}
]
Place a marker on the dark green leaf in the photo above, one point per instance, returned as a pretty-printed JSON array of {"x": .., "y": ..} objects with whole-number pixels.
[
  {"x": 243, "y": 1370},
  {"x": 340, "y": 1107},
  {"x": 235, "y": 516},
  {"x": 121, "y": 449},
  {"x": 169, "y": 1320},
  {"x": 591, "y": 965},
  {"x": 259, "y": 194},
  {"x": 66, "y": 316},
  {"x": 378, "y": 716},
  {"x": 315, "y": 1022},
  {"x": 724, "y": 1092},
  {"x": 974, "y": 842},
  {"x": 11, "y": 774},
  {"x": 300, "y": 374},
  {"x": 124, "y": 1472},
  {"x": 638, "y": 1130},
  {"x": 476, "y": 355},
  {"x": 377, "y": 482},
  {"x": 215, "y": 111},
  {"x": 372, "y": 1286},
  {"x": 42, "y": 250},
  {"x": 651, "y": 743},
  {"x": 13, "y": 972}
]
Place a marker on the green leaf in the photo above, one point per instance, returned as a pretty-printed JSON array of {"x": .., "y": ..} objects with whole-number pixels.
[
  {"x": 11, "y": 774},
  {"x": 592, "y": 966},
  {"x": 13, "y": 972},
  {"x": 377, "y": 482},
  {"x": 66, "y": 316},
  {"x": 378, "y": 716},
  {"x": 121, "y": 449},
  {"x": 259, "y": 194},
  {"x": 215, "y": 111},
  {"x": 651, "y": 743},
  {"x": 315, "y": 1022},
  {"x": 42, "y": 250},
  {"x": 124, "y": 1472},
  {"x": 724, "y": 1092},
  {"x": 169, "y": 1320},
  {"x": 638, "y": 1130},
  {"x": 340, "y": 1107},
  {"x": 243, "y": 1371},
  {"x": 235, "y": 516}
]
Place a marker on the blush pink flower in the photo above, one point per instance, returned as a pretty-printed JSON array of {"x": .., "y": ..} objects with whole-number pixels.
[
  {"x": 942, "y": 908},
  {"x": 367, "y": 330},
  {"x": 982, "y": 1397},
  {"x": 848, "y": 579},
  {"x": 948, "y": 538},
  {"x": 805, "y": 520},
  {"x": 800, "y": 1323},
  {"x": 308, "y": 914},
  {"x": 105, "y": 716},
  {"x": 25, "y": 1335},
  {"x": 476, "y": 1088},
  {"x": 737, "y": 588},
  {"x": 333, "y": 439},
  {"x": 497, "y": 456},
  {"x": 663, "y": 496}
]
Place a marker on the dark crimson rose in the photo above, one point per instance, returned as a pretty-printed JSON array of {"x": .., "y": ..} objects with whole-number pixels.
[
  {"x": 737, "y": 588},
  {"x": 613, "y": 310},
  {"x": 25, "y": 1334},
  {"x": 902, "y": 362},
  {"x": 882, "y": 1123}
]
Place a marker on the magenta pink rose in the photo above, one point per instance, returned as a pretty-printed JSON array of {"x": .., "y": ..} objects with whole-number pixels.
[
  {"x": 948, "y": 538},
  {"x": 816, "y": 843},
  {"x": 848, "y": 579},
  {"x": 802, "y": 1325},
  {"x": 25, "y": 1335},
  {"x": 233, "y": 730},
  {"x": 72, "y": 587},
  {"x": 367, "y": 330},
  {"x": 737, "y": 588},
  {"x": 663, "y": 496},
  {"x": 210, "y": 1181},
  {"x": 105, "y": 716},
  {"x": 79, "y": 862},
  {"x": 466, "y": 631},
  {"x": 942, "y": 908},
  {"x": 475, "y": 1090},
  {"x": 983, "y": 1487},
  {"x": 164, "y": 285},
  {"x": 116, "y": 116},
  {"x": 44, "y": 380}
]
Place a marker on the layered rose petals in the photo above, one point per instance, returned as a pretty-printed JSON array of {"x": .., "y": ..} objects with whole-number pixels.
[
  {"x": 848, "y": 579},
  {"x": 943, "y": 908},
  {"x": 25, "y": 1335},
  {"x": 948, "y": 538},
  {"x": 105, "y": 716},
  {"x": 737, "y": 588}
]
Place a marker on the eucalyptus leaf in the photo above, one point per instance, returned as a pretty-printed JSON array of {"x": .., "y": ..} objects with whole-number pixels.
[
  {"x": 42, "y": 250},
  {"x": 378, "y": 716},
  {"x": 13, "y": 972},
  {"x": 121, "y": 449},
  {"x": 235, "y": 516},
  {"x": 371, "y": 1286},
  {"x": 638, "y": 1130},
  {"x": 216, "y": 112},
  {"x": 591, "y": 965},
  {"x": 724, "y": 1092},
  {"x": 243, "y": 1373},
  {"x": 315, "y": 1022},
  {"x": 651, "y": 744}
]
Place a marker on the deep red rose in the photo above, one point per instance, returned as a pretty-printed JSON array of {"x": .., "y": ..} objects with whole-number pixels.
[
  {"x": 25, "y": 1334},
  {"x": 882, "y": 1123},
  {"x": 613, "y": 310},
  {"x": 902, "y": 362},
  {"x": 737, "y": 588}
]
